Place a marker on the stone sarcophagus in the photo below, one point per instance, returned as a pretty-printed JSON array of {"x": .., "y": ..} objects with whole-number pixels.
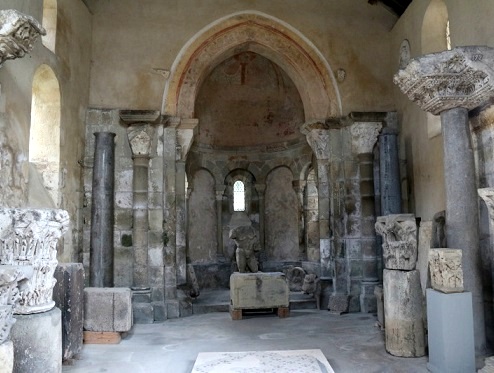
[
  {"x": 399, "y": 232},
  {"x": 28, "y": 238}
]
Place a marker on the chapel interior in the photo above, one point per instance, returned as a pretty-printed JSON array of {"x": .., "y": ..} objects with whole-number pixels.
[{"x": 351, "y": 141}]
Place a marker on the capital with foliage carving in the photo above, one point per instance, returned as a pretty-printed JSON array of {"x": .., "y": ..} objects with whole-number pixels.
[
  {"x": 462, "y": 77},
  {"x": 364, "y": 136}
]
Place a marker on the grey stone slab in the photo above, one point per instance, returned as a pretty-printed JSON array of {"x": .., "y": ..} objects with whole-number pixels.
[
  {"x": 451, "y": 339},
  {"x": 68, "y": 295}
]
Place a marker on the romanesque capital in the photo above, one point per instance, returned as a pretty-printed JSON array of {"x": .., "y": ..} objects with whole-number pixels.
[
  {"x": 18, "y": 32},
  {"x": 364, "y": 136},
  {"x": 399, "y": 232},
  {"x": 140, "y": 137},
  {"x": 446, "y": 270},
  {"x": 318, "y": 135},
  {"x": 185, "y": 135},
  {"x": 461, "y": 77},
  {"x": 29, "y": 237}
]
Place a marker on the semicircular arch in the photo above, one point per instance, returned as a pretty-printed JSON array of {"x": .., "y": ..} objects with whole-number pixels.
[{"x": 262, "y": 34}]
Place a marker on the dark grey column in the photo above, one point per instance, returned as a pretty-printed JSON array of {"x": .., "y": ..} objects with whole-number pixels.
[
  {"x": 220, "y": 190},
  {"x": 102, "y": 211},
  {"x": 390, "y": 183},
  {"x": 462, "y": 212}
]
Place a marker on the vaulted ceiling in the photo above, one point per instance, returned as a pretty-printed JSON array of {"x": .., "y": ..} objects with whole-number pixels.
[{"x": 396, "y": 6}]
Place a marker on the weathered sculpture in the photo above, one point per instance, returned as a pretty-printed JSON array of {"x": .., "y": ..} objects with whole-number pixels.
[
  {"x": 18, "y": 32},
  {"x": 399, "y": 241},
  {"x": 247, "y": 242},
  {"x": 446, "y": 271},
  {"x": 312, "y": 286},
  {"x": 28, "y": 237}
]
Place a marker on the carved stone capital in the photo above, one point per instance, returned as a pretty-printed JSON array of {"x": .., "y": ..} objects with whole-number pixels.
[
  {"x": 318, "y": 135},
  {"x": 140, "y": 137},
  {"x": 364, "y": 136},
  {"x": 29, "y": 237},
  {"x": 446, "y": 270},
  {"x": 399, "y": 232},
  {"x": 462, "y": 77},
  {"x": 18, "y": 32},
  {"x": 185, "y": 135}
]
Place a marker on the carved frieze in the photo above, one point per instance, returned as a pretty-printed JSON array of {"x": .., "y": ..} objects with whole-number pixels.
[
  {"x": 18, "y": 32},
  {"x": 446, "y": 270},
  {"x": 29, "y": 237},
  {"x": 462, "y": 77},
  {"x": 399, "y": 232},
  {"x": 364, "y": 136}
]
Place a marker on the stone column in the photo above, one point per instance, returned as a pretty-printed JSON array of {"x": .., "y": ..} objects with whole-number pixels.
[
  {"x": 317, "y": 134},
  {"x": 261, "y": 189},
  {"x": 140, "y": 136},
  {"x": 299, "y": 187},
  {"x": 389, "y": 173},
  {"x": 220, "y": 191},
  {"x": 450, "y": 83},
  {"x": 364, "y": 137},
  {"x": 102, "y": 211}
]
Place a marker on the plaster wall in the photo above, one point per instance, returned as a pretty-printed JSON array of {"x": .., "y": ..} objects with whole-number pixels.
[
  {"x": 352, "y": 37},
  {"x": 71, "y": 65}
]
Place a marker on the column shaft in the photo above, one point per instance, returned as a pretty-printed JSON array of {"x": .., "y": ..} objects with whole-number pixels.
[
  {"x": 102, "y": 211},
  {"x": 219, "y": 223},
  {"x": 181, "y": 221},
  {"x": 462, "y": 219}
]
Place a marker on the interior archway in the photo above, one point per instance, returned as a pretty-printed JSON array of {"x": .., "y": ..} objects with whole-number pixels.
[
  {"x": 44, "y": 135},
  {"x": 258, "y": 33}
]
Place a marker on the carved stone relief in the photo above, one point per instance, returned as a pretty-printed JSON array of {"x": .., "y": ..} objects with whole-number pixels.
[
  {"x": 446, "y": 270},
  {"x": 28, "y": 237},
  {"x": 399, "y": 234},
  {"x": 18, "y": 32},
  {"x": 364, "y": 136},
  {"x": 461, "y": 77}
]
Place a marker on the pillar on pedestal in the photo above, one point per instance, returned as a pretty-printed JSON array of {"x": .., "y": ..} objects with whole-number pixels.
[{"x": 450, "y": 83}]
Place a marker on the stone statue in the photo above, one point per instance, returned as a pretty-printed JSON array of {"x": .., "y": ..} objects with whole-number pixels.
[
  {"x": 247, "y": 242},
  {"x": 18, "y": 32},
  {"x": 399, "y": 233}
]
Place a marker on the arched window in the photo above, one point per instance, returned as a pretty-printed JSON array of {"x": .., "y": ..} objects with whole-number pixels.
[
  {"x": 44, "y": 136},
  {"x": 238, "y": 196},
  {"x": 50, "y": 24}
]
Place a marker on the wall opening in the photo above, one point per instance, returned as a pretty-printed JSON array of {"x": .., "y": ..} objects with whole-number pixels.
[
  {"x": 44, "y": 136},
  {"x": 50, "y": 24},
  {"x": 238, "y": 196}
]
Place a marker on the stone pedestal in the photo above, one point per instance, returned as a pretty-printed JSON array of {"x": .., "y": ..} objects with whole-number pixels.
[
  {"x": 404, "y": 331},
  {"x": 258, "y": 291},
  {"x": 6, "y": 357},
  {"x": 37, "y": 342},
  {"x": 107, "y": 309},
  {"x": 450, "y": 323},
  {"x": 102, "y": 211},
  {"x": 68, "y": 294}
]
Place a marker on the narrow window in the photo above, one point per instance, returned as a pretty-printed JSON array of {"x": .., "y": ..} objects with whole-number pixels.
[{"x": 238, "y": 196}]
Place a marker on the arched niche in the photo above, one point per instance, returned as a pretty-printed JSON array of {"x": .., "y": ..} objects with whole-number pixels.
[
  {"x": 44, "y": 134},
  {"x": 50, "y": 13},
  {"x": 258, "y": 33},
  {"x": 435, "y": 38}
]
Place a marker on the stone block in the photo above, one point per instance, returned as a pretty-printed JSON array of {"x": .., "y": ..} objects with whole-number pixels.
[
  {"x": 68, "y": 295},
  {"x": 258, "y": 290},
  {"x": 143, "y": 313},
  {"x": 451, "y": 340},
  {"x": 424, "y": 246},
  {"x": 338, "y": 303},
  {"x": 107, "y": 309},
  {"x": 6, "y": 357},
  {"x": 405, "y": 333},
  {"x": 446, "y": 271},
  {"x": 37, "y": 340}
]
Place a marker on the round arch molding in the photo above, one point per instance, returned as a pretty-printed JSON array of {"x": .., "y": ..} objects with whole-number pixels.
[{"x": 258, "y": 33}]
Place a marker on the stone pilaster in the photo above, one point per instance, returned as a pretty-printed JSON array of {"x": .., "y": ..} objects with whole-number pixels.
[
  {"x": 220, "y": 191},
  {"x": 28, "y": 238},
  {"x": 18, "y": 33},
  {"x": 364, "y": 137},
  {"x": 299, "y": 187},
  {"x": 450, "y": 83},
  {"x": 261, "y": 190}
]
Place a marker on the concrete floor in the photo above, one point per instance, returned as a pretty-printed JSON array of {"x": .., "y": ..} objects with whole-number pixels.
[{"x": 351, "y": 343}]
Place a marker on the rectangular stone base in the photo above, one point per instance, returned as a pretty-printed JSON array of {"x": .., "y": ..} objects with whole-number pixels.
[
  {"x": 450, "y": 322},
  {"x": 107, "y": 309},
  {"x": 258, "y": 290}
]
